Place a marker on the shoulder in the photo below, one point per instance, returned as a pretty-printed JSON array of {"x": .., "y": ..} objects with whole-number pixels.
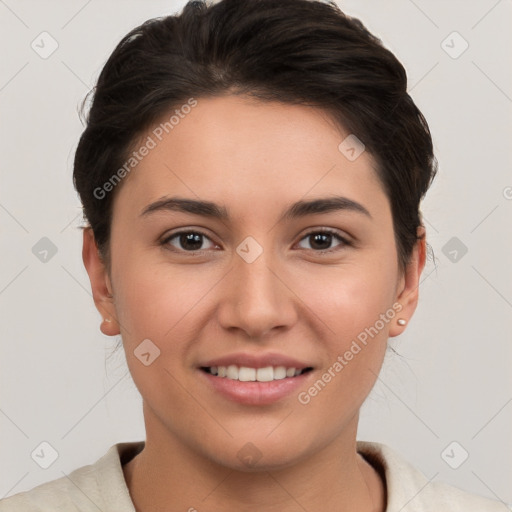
[
  {"x": 60, "y": 494},
  {"x": 97, "y": 486},
  {"x": 409, "y": 490}
]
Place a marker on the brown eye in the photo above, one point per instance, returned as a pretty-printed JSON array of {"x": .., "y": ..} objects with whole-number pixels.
[
  {"x": 187, "y": 241},
  {"x": 321, "y": 240}
]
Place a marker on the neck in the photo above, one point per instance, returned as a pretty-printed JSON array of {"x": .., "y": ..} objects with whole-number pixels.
[{"x": 167, "y": 475}]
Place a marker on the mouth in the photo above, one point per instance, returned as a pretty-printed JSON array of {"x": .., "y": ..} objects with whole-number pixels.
[
  {"x": 252, "y": 378},
  {"x": 255, "y": 379},
  {"x": 249, "y": 374}
]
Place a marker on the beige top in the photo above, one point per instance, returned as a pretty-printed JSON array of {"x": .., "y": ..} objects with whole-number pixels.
[{"x": 101, "y": 487}]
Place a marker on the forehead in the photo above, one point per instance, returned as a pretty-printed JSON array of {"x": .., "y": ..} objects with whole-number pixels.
[{"x": 248, "y": 153}]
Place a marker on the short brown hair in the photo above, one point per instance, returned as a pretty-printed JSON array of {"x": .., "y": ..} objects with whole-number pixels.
[{"x": 302, "y": 52}]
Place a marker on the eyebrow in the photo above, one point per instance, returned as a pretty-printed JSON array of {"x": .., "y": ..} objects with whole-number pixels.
[{"x": 295, "y": 211}]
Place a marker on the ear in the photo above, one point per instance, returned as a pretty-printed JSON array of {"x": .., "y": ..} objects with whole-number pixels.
[
  {"x": 408, "y": 287},
  {"x": 100, "y": 283}
]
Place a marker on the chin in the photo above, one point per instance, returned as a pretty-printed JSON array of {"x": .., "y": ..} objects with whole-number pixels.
[
  {"x": 261, "y": 452},
  {"x": 250, "y": 459}
]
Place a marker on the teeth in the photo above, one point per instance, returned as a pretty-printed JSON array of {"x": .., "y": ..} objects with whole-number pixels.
[
  {"x": 279, "y": 372},
  {"x": 265, "y": 374},
  {"x": 290, "y": 372},
  {"x": 246, "y": 374},
  {"x": 232, "y": 372}
]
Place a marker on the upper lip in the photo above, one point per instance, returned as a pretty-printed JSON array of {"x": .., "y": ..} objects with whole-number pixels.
[{"x": 256, "y": 361}]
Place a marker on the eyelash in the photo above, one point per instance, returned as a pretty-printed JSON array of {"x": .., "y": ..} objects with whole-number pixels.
[{"x": 328, "y": 231}]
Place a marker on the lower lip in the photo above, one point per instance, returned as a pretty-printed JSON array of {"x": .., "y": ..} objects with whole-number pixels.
[{"x": 256, "y": 393}]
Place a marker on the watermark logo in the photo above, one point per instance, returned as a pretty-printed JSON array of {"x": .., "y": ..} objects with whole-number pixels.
[
  {"x": 249, "y": 249},
  {"x": 44, "y": 250},
  {"x": 44, "y": 455},
  {"x": 44, "y": 45},
  {"x": 454, "y": 45},
  {"x": 351, "y": 147},
  {"x": 150, "y": 143},
  {"x": 361, "y": 341},
  {"x": 454, "y": 249},
  {"x": 249, "y": 454},
  {"x": 146, "y": 352},
  {"x": 454, "y": 455}
]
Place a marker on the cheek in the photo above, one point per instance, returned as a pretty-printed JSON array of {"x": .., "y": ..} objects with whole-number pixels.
[
  {"x": 354, "y": 303},
  {"x": 154, "y": 298},
  {"x": 355, "y": 345},
  {"x": 349, "y": 298},
  {"x": 162, "y": 304}
]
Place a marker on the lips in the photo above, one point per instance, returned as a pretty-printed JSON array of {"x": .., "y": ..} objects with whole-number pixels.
[
  {"x": 256, "y": 361},
  {"x": 255, "y": 379}
]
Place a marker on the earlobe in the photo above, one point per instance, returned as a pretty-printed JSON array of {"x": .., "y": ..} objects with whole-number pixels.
[
  {"x": 100, "y": 284},
  {"x": 408, "y": 296}
]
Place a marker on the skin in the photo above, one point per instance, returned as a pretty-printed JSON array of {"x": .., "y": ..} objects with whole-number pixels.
[{"x": 255, "y": 158}]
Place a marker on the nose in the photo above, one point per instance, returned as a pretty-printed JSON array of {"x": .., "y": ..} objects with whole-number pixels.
[{"x": 256, "y": 298}]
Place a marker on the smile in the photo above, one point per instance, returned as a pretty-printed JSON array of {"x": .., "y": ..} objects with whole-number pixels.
[{"x": 248, "y": 374}]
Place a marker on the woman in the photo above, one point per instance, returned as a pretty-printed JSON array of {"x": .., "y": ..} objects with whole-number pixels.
[{"x": 252, "y": 174}]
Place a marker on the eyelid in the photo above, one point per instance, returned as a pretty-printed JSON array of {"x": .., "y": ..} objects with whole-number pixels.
[
  {"x": 345, "y": 240},
  {"x": 332, "y": 231},
  {"x": 340, "y": 235},
  {"x": 169, "y": 236}
]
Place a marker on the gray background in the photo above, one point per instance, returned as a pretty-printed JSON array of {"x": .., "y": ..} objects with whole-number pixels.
[{"x": 60, "y": 381}]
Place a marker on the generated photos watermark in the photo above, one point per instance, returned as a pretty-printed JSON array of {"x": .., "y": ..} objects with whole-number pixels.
[
  {"x": 150, "y": 143},
  {"x": 355, "y": 348}
]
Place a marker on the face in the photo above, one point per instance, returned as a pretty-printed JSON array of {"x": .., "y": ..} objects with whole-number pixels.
[{"x": 253, "y": 283}]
